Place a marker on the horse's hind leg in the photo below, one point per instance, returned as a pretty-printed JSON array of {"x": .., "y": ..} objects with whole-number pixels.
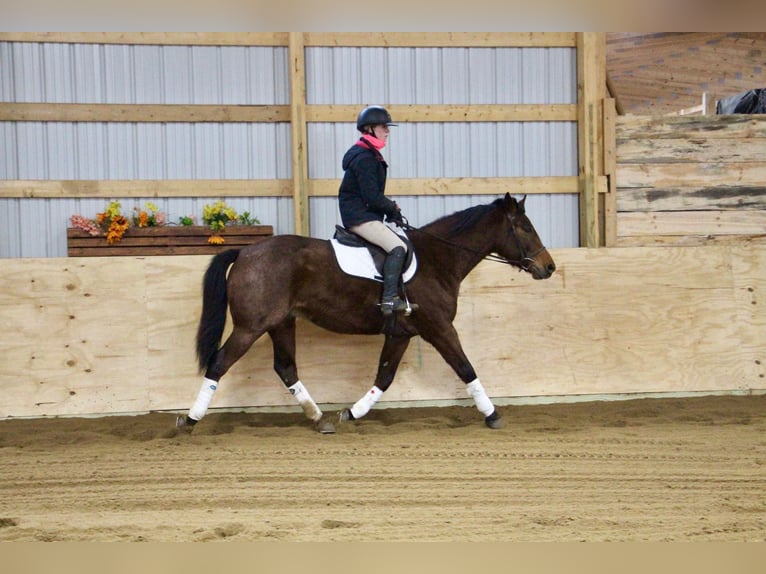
[
  {"x": 283, "y": 340},
  {"x": 236, "y": 345},
  {"x": 390, "y": 357}
]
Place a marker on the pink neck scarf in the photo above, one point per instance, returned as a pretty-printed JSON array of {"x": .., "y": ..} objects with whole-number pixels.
[{"x": 373, "y": 141}]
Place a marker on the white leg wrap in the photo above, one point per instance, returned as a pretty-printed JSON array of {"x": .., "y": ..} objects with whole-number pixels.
[
  {"x": 363, "y": 405},
  {"x": 305, "y": 401},
  {"x": 480, "y": 397},
  {"x": 199, "y": 408}
]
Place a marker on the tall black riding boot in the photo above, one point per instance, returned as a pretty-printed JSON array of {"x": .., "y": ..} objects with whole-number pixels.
[{"x": 392, "y": 271}]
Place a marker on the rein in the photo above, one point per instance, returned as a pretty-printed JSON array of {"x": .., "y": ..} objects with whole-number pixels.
[{"x": 492, "y": 256}]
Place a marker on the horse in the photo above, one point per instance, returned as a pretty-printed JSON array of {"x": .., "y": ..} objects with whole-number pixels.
[{"x": 272, "y": 282}]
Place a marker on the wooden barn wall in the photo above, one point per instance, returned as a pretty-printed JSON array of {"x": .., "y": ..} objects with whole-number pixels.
[
  {"x": 84, "y": 337},
  {"x": 262, "y": 120},
  {"x": 690, "y": 180}
]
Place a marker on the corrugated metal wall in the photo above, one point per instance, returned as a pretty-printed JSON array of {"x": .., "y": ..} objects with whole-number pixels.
[
  {"x": 84, "y": 73},
  {"x": 451, "y": 76}
]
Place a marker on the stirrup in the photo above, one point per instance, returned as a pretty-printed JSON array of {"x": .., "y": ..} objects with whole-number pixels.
[{"x": 394, "y": 305}]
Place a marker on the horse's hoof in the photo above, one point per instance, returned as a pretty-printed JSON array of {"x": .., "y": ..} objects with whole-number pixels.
[
  {"x": 494, "y": 421},
  {"x": 324, "y": 426},
  {"x": 345, "y": 416},
  {"x": 182, "y": 425}
]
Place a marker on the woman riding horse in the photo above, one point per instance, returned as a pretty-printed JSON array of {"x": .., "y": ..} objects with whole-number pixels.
[{"x": 363, "y": 203}]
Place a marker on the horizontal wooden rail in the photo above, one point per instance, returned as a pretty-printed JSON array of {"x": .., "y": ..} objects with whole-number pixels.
[
  {"x": 460, "y": 186},
  {"x": 147, "y": 188},
  {"x": 191, "y": 113},
  {"x": 451, "y": 112},
  {"x": 352, "y": 39},
  {"x": 277, "y": 187},
  {"x": 196, "y": 113}
]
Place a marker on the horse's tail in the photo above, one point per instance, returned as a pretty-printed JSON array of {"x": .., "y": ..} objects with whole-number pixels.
[{"x": 214, "y": 306}]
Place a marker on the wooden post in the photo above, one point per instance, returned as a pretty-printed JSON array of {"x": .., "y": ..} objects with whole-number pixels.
[
  {"x": 610, "y": 171},
  {"x": 591, "y": 83},
  {"x": 298, "y": 132}
]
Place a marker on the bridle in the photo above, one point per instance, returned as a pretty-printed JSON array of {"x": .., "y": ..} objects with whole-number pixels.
[{"x": 524, "y": 263}]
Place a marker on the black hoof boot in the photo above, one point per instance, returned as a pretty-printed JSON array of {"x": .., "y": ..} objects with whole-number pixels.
[
  {"x": 494, "y": 421},
  {"x": 345, "y": 415},
  {"x": 185, "y": 423}
]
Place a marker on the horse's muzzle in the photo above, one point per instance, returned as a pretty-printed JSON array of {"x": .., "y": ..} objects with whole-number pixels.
[{"x": 542, "y": 266}]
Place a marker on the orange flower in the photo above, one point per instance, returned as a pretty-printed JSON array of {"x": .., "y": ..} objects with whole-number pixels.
[
  {"x": 143, "y": 219},
  {"x": 117, "y": 229},
  {"x": 216, "y": 240}
]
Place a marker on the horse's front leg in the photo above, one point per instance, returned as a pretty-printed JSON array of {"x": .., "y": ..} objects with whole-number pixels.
[
  {"x": 390, "y": 357},
  {"x": 445, "y": 340},
  {"x": 283, "y": 342}
]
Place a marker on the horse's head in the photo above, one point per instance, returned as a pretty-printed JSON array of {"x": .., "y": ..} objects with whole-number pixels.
[{"x": 521, "y": 245}]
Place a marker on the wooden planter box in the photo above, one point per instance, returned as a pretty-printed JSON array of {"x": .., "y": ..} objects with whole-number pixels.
[{"x": 167, "y": 240}]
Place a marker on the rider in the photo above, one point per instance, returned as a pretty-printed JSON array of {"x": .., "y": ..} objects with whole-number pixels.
[{"x": 363, "y": 203}]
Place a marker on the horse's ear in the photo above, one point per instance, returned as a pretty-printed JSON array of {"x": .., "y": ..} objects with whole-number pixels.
[{"x": 512, "y": 206}]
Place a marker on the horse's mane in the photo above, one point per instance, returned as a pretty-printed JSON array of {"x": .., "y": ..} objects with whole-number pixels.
[{"x": 458, "y": 222}]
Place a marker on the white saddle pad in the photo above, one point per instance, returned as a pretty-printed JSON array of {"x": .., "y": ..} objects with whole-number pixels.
[{"x": 358, "y": 262}]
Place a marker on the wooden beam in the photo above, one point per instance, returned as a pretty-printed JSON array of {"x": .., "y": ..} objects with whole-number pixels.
[
  {"x": 442, "y": 39},
  {"x": 299, "y": 133},
  {"x": 326, "y": 39},
  {"x": 152, "y": 38},
  {"x": 460, "y": 186},
  {"x": 39, "y": 112},
  {"x": 451, "y": 112},
  {"x": 591, "y": 83},
  {"x": 681, "y": 223},
  {"x": 146, "y": 188},
  {"x": 610, "y": 172},
  {"x": 716, "y": 127},
  {"x": 35, "y": 112}
]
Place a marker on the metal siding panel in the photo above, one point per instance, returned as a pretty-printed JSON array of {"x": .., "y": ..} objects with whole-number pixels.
[
  {"x": 402, "y": 76},
  {"x": 120, "y": 151},
  {"x": 346, "y": 67},
  {"x": 179, "y": 151},
  {"x": 374, "y": 78},
  {"x": 88, "y": 70},
  {"x": 206, "y": 75},
  {"x": 281, "y": 75},
  {"x": 61, "y": 150},
  {"x": 149, "y": 75},
  {"x": 150, "y": 151},
  {"x": 234, "y": 76},
  {"x": 6, "y": 72},
  {"x": 32, "y": 146},
  {"x": 90, "y": 150},
  {"x": 119, "y": 77},
  {"x": 508, "y": 71},
  {"x": 177, "y": 75},
  {"x": 480, "y": 77},
  {"x": 510, "y": 142},
  {"x": 27, "y": 72},
  {"x": 320, "y": 76},
  {"x": 9, "y": 154},
  {"x": 57, "y": 73},
  {"x": 428, "y": 83}
]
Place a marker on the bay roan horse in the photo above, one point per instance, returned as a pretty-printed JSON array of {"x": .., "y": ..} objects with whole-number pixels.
[{"x": 276, "y": 280}]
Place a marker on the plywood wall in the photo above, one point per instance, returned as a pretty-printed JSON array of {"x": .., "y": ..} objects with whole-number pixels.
[
  {"x": 114, "y": 335},
  {"x": 690, "y": 180}
]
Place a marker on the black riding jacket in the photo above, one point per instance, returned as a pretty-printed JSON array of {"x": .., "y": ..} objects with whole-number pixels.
[{"x": 361, "y": 196}]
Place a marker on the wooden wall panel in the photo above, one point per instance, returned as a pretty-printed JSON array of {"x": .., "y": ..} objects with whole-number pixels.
[
  {"x": 690, "y": 180},
  {"x": 88, "y": 337}
]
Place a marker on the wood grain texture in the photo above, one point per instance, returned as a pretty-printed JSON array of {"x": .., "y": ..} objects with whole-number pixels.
[{"x": 90, "y": 338}]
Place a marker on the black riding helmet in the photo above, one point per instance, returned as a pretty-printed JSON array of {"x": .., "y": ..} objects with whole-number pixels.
[{"x": 373, "y": 116}]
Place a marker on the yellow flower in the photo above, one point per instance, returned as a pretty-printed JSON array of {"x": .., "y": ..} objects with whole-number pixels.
[{"x": 216, "y": 240}]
